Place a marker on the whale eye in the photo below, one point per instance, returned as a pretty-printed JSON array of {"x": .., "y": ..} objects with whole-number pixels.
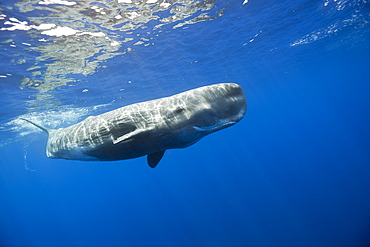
[{"x": 179, "y": 110}]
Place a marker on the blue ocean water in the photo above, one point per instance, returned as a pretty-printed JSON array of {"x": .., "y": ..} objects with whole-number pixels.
[{"x": 294, "y": 172}]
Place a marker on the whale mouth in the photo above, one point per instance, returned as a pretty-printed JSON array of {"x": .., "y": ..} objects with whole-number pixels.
[{"x": 214, "y": 127}]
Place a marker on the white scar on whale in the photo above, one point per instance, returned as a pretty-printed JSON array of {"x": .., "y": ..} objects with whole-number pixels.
[{"x": 151, "y": 127}]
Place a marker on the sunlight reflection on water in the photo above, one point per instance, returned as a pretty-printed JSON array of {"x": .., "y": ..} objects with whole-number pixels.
[{"x": 76, "y": 37}]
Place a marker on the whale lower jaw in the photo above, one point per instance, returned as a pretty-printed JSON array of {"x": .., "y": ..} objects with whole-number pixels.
[{"x": 214, "y": 127}]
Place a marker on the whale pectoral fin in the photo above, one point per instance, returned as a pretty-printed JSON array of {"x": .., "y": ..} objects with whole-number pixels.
[{"x": 154, "y": 158}]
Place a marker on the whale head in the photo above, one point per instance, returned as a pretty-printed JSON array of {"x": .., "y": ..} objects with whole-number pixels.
[{"x": 202, "y": 111}]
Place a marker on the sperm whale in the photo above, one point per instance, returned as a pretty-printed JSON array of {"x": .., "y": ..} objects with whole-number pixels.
[{"x": 149, "y": 128}]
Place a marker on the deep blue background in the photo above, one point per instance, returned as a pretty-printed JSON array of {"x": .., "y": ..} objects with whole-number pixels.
[{"x": 294, "y": 172}]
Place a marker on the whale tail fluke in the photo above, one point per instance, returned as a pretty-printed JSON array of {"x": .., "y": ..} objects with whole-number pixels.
[{"x": 38, "y": 126}]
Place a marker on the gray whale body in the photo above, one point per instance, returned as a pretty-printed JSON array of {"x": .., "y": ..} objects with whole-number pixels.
[{"x": 151, "y": 127}]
